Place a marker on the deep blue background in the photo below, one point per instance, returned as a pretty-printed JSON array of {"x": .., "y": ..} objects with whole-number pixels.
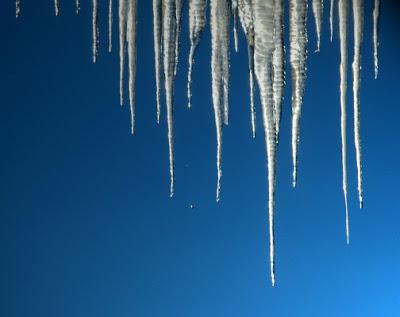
[{"x": 87, "y": 227}]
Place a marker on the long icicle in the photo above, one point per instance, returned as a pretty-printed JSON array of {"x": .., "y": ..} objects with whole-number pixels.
[
  {"x": 278, "y": 59},
  {"x": 219, "y": 22},
  {"x": 122, "y": 17},
  {"x": 216, "y": 86},
  {"x": 169, "y": 35},
  {"x": 56, "y": 7},
  {"x": 358, "y": 14},
  {"x": 376, "y": 14},
  {"x": 197, "y": 21},
  {"x": 131, "y": 40},
  {"x": 331, "y": 19},
  {"x": 343, "y": 8},
  {"x": 317, "y": 8},
  {"x": 298, "y": 57},
  {"x": 264, "y": 46},
  {"x": 110, "y": 24},
  {"x": 95, "y": 30},
  {"x": 157, "y": 51},
  {"x": 17, "y": 8}
]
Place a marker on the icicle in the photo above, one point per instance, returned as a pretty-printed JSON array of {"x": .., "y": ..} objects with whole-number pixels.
[
  {"x": 56, "y": 7},
  {"x": 95, "y": 30},
  {"x": 224, "y": 39},
  {"x": 250, "y": 52},
  {"x": 77, "y": 6},
  {"x": 178, "y": 16},
  {"x": 317, "y": 7},
  {"x": 197, "y": 21},
  {"x": 246, "y": 20},
  {"x": 298, "y": 57},
  {"x": 343, "y": 7},
  {"x": 264, "y": 46},
  {"x": 157, "y": 51},
  {"x": 122, "y": 15},
  {"x": 331, "y": 19},
  {"x": 278, "y": 64},
  {"x": 131, "y": 40},
  {"x": 169, "y": 37},
  {"x": 17, "y": 8},
  {"x": 358, "y": 13},
  {"x": 235, "y": 16},
  {"x": 110, "y": 24},
  {"x": 376, "y": 35},
  {"x": 219, "y": 22}
]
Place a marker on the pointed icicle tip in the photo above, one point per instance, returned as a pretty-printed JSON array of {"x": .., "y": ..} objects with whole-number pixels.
[
  {"x": 17, "y": 8},
  {"x": 56, "y": 7},
  {"x": 77, "y": 6}
]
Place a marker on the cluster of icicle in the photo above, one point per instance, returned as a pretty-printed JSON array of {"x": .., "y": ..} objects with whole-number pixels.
[{"x": 263, "y": 24}]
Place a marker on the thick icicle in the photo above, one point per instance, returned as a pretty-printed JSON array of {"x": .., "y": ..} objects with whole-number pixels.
[
  {"x": 343, "y": 8},
  {"x": 317, "y": 8},
  {"x": 219, "y": 22},
  {"x": 110, "y": 24},
  {"x": 178, "y": 17},
  {"x": 131, "y": 41},
  {"x": 17, "y": 8},
  {"x": 77, "y": 6},
  {"x": 235, "y": 18},
  {"x": 376, "y": 35},
  {"x": 358, "y": 14},
  {"x": 95, "y": 30},
  {"x": 169, "y": 37},
  {"x": 278, "y": 63},
  {"x": 157, "y": 15},
  {"x": 264, "y": 46},
  {"x": 331, "y": 19},
  {"x": 122, "y": 16},
  {"x": 197, "y": 21},
  {"x": 246, "y": 20},
  {"x": 56, "y": 7},
  {"x": 298, "y": 57}
]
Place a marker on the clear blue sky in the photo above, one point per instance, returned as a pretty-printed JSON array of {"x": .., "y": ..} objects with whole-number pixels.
[{"x": 87, "y": 227}]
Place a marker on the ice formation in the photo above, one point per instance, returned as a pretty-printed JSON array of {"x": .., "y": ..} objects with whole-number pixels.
[
  {"x": 219, "y": 24},
  {"x": 263, "y": 24},
  {"x": 110, "y": 24},
  {"x": 197, "y": 22},
  {"x": 343, "y": 8},
  {"x": 169, "y": 30},
  {"x": 56, "y": 7},
  {"x": 358, "y": 21},
  {"x": 95, "y": 30},
  {"x": 298, "y": 57},
  {"x": 263, "y": 15},
  {"x": 331, "y": 19},
  {"x": 157, "y": 14},
  {"x": 376, "y": 14},
  {"x": 317, "y": 7},
  {"x": 17, "y": 8}
]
